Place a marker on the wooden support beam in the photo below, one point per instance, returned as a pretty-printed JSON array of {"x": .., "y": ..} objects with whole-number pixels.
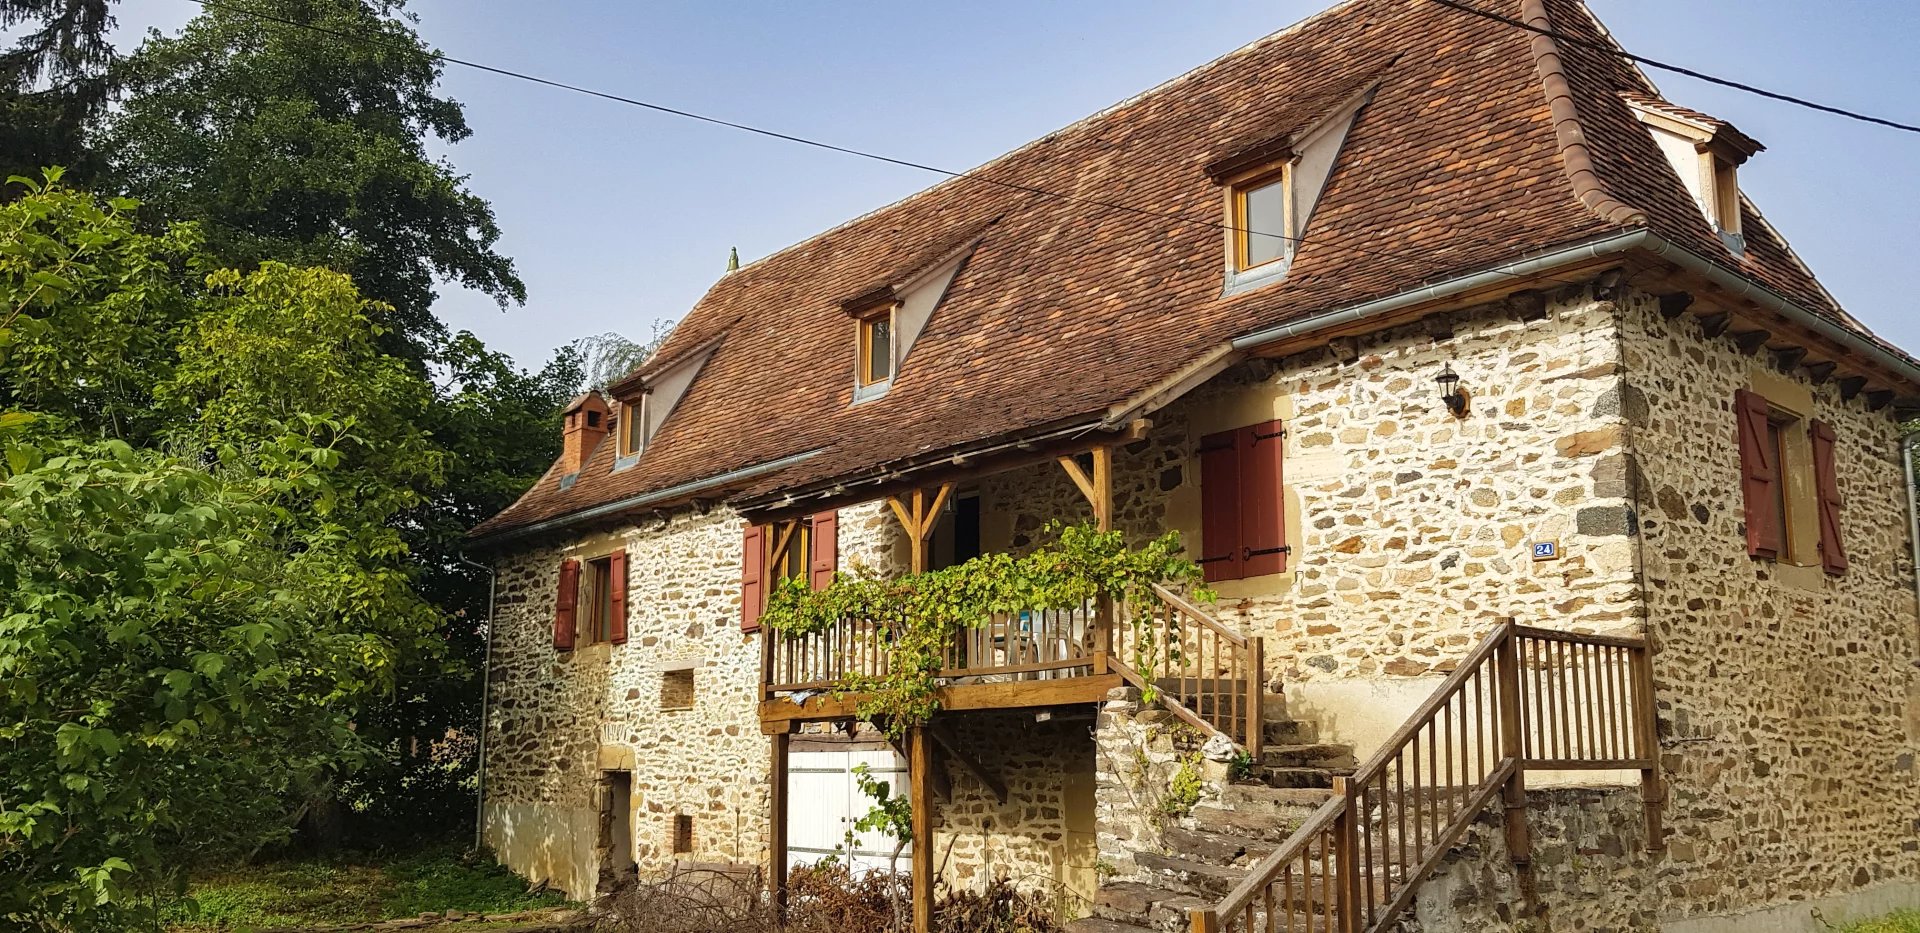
[
  {"x": 1344, "y": 349},
  {"x": 1097, "y": 488},
  {"x": 1851, "y": 386},
  {"x": 1821, "y": 372},
  {"x": 1750, "y": 340},
  {"x": 1789, "y": 359},
  {"x": 967, "y": 762},
  {"x": 1715, "y": 324},
  {"x": 777, "y": 830},
  {"x": 1673, "y": 304},
  {"x": 920, "y": 517},
  {"x": 1529, "y": 305},
  {"x": 1879, "y": 398},
  {"x": 1439, "y": 326},
  {"x": 920, "y": 771}
]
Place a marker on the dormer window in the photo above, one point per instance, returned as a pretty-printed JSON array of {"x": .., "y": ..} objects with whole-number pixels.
[
  {"x": 1706, "y": 152},
  {"x": 633, "y": 427},
  {"x": 1262, "y": 222},
  {"x": 876, "y": 347}
]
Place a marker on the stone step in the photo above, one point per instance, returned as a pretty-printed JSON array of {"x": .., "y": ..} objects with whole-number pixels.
[
  {"x": 1291, "y": 731},
  {"x": 1145, "y": 905},
  {"x": 1190, "y": 876},
  {"x": 1311, "y": 755},
  {"x": 1216, "y": 845},
  {"x": 1298, "y": 777},
  {"x": 1269, "y": 828}
]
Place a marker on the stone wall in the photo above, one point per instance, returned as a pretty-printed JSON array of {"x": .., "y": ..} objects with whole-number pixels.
[
  {"x": 1789, "y": 719},
  {"x": 1042, "y": 837}
]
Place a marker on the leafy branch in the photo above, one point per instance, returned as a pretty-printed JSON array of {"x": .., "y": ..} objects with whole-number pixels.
[{"x": 921, "y": 615}]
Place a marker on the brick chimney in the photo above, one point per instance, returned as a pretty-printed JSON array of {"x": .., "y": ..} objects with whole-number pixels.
[{"x": 587, "y": 423}]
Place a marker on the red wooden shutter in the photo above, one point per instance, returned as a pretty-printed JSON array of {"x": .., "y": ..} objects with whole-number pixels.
[
  {"x": 753, "y": 561},
  {"x": 825, "y": 558},
  {"x": 1220, "y": 506},
  {"x": 564, "y": 604},
  {"x": 1833, "y": 554},
  {"x": 617, "y": 574},
  {"x": 1759, "y": 475},
  {"x": 1263, "y": 520}
]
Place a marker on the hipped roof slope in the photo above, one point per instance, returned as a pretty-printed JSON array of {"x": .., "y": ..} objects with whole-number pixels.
[{"x": 1067, "y": 306}]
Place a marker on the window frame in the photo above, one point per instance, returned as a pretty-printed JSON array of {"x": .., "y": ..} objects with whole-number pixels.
[
  {"x": 797, "y": 553},
  {"x": 1239, "y": 225},
  {"x": 863, "y": 341},
  {"x": 633, "y": 414},
  {"x": 1780, "y": 425},
  {"x": 595, "y": 625}
]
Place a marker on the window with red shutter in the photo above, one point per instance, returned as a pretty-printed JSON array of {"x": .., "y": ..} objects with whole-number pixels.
[
  {"x": 753, "y": 560},
  {"x": 1220, "y": 506},
  {"x": 564, "y": 603},
  {"x": 825, "y": 559},
  {"x": 1263, "y": 520},
  {"x": 617, "y": 584},
  {"x": 1833, "y": 553},
  {"x": 1243, "y": 528},
  {"x": 1760, "y": 484}
]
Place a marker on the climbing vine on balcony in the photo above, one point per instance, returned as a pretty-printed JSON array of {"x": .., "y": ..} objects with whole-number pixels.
[{"x": 924, "y": 613}]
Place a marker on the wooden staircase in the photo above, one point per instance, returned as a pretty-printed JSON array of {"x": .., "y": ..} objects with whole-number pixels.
[
  {"x": 1321, "y": 846},
  {"x": 1223, "y": 838}
]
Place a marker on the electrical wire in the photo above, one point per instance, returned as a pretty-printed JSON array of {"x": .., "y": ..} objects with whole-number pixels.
[{"x": 1614, "y": 50}]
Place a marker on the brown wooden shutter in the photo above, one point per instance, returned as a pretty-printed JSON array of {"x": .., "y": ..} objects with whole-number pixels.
[
  {"x": 825, "y": 558},
  {"x": 1263, "y": 520},
  {"x": 617, "y": 581},
  {"x": 564, "y": 605},
  {"x": 1833, "y": 554},
  {"x": 1220, "y": 543},
  {"x": 1759, "y": 476},
  {"x": 753, "y": 562}
]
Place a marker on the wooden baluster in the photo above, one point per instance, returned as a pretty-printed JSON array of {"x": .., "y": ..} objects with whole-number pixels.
[
  {"x": 1512, "y": 737},
  {"x": 1535, "y": 667}
]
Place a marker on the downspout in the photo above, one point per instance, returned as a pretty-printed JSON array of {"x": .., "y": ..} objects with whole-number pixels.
[
  {"x": 1913, "y": 526},
  {"x": 486, "y": 684}
]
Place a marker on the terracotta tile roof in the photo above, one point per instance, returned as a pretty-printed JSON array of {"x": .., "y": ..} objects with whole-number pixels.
[{"x": 1459, "y": 162}]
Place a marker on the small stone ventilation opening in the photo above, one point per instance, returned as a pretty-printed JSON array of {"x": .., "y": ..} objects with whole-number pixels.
[
  {"x": 676, "y": 689},
  {"x": 682, "y": 834}
]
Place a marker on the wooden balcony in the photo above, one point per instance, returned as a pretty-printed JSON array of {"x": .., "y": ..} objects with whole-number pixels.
[{"x": 1204, "y": 672}]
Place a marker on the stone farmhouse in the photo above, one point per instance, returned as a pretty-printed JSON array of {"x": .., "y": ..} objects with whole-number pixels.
[{"x": 1565, "y": 567}]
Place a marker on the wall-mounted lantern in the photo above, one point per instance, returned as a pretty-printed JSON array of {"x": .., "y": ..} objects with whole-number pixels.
[{"x": 1450, "y": 391}]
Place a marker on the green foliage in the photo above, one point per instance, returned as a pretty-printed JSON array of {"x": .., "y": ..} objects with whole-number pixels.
[
  {"x": 359, "y": 888},
  {"x": 1903, "y": 921},
  {"x": 90, "y": 307},
  {"x": 890, "y": 815},
  {"x": 1183, "y": 789},
  {"x": 53, "y": 80},
  {"x": 195, "y": 598},
  {"x": 924, "y": 612},
  {"x": 295, "y": 145}
]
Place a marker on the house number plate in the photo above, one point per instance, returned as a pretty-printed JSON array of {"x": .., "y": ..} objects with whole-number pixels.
[{"x": 1546, "y": 550}]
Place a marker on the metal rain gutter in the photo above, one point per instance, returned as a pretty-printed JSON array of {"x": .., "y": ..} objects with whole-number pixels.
[
  {"x": 1450, "y": 288},
  {"x": 645, "y": 499}
]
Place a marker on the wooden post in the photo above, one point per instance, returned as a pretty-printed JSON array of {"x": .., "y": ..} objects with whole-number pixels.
[
  {"x": 777, "y": 832},
  {"x": 1512, "y": 745},
  {"x": 1652, "y": 789},
  {"x": 1204, "y": 920},
  {"x": 920, "y": 771},
  {"x": 1256, "y": 696},
  {"x": 1103, "y": 488},
  {"x": 1346, "y": 868}
]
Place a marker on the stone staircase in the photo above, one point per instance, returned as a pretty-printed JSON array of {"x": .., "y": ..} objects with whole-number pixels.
[{"x": 1205, "y": 854}]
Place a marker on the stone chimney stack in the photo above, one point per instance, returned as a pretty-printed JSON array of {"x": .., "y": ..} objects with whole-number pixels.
[{"x": 586, "y": 425}]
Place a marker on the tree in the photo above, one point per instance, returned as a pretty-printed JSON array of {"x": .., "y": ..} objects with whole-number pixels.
[
  {"x": 53, "y": 81},
  {"x": 300, "y": 135},
  {"x": 194, "y": 607}
]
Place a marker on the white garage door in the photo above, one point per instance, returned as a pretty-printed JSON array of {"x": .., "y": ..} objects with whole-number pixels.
[{"x": 824, "y": 801}]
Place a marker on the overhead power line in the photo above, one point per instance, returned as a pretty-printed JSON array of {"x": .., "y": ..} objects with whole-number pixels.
[
  {"x": 1614, "y": 50},
  {"x": 817, "y": 144}
]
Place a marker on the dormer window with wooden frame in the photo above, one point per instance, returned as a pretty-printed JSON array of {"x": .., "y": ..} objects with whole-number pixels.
[
  {"x": 632, "y": 427},
  {"x": 876, "y": 330},
  {"x": 1261, "y": 217},
  {"x": 1706, "y": 152}
]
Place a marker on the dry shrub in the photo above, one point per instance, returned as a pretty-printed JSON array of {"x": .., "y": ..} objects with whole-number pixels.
[{"x": 826, "y": 898}]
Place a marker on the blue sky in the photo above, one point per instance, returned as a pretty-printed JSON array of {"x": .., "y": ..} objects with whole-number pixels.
[{"x": 619, "y": 217}]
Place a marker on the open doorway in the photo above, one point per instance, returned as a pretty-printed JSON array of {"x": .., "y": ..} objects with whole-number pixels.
[
  {"x": 956, "y": 539},
  {"x": 614, "y": 794}
]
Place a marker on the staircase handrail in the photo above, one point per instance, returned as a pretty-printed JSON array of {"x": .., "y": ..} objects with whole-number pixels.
[{"x": 1537, "y": 676}]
